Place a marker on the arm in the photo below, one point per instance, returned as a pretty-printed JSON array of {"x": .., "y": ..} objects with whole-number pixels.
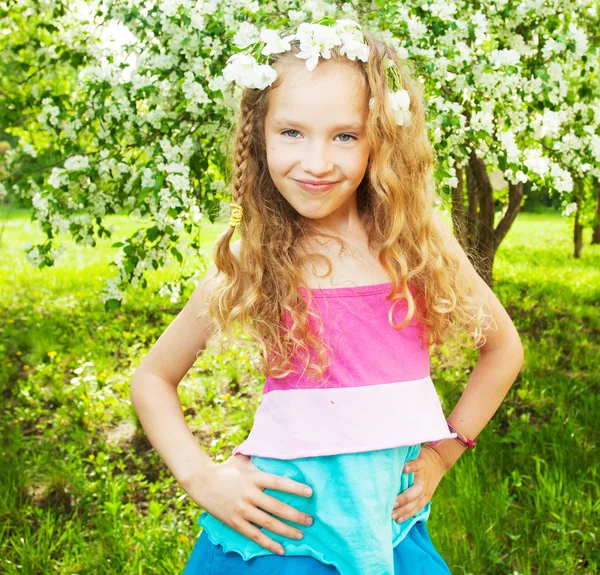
[
  {"x": 233, "y": 491},
  {"x": 154, "y": 385},
  {"x": 500, "y": 360}
]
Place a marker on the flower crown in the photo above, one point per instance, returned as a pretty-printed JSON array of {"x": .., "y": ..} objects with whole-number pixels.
[{"x": 248, "y": 68}]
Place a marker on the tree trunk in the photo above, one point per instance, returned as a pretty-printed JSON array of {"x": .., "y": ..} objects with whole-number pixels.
[
  {"x": 481, "y": 237},
  {"x": 473, "y": 206},
  {"x": 515, "y": 197},
  {"x": 483, "y": 195},
  {"x": 596, "y": 228},
  {"x": 578, "y": 228},
  {"x": 459, "y": 213}
]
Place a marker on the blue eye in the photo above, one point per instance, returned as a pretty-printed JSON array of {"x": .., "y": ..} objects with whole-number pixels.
[{"x": 352, "y": 137}]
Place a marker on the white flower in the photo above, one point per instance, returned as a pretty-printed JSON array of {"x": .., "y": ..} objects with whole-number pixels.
[
  {"x": 195, "y": 214},
  {"x": 483, "y": 119},
  {"x": 443, "y": 10},
  {"x": 563, "y": 182},
  {"x": 316, "y": 40},
  {"x": 504, "y": 57},
  {"x": 581, "y": 40},
  {"x": 193, "y": 90},
  {"x": 536, "y": 162},
  {"x": 247, "y": 34},
  {"x": 40, "y": 204},
  {"x": 34, "y": 257},
  {"x": 400, "y": 101},
  {"x": 354, "y": 45},
  {"x": 29, "y": 149},
  {"x": 58, "y": 178},
  {"x": 246, "y": 71},
  {"x": 508, "y": 141},
  {"x": 355, "y": 49},
  {"x": 76, "y": 163},
  {"x": 111, "y": 290},
  {"x": 274, "y": 43}
]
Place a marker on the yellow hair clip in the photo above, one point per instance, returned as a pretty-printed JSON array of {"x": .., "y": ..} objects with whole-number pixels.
[{"x": 236, "y": 214}]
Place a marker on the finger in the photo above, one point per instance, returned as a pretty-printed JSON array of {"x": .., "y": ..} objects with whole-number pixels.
[
  {"x": 280, "y": 483},
  {"x": 414, "y": 465},
  {"x": 408, "y": 511},
  {"x": 409, "y": 494},
  {"x": 281, "y": 509},
  {"x": 263, "y": 519},
  {"x": 255, "y": 534}
]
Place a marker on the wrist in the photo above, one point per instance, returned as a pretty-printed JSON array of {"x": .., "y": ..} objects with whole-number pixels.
[
  {"x": 196, "y": 475},
  {"x": 449, "y": 452}
]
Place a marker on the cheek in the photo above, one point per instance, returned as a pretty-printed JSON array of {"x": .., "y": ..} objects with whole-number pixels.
[
  {"x": 277, "y": 160},
  {"x": 356, "y": 166}
]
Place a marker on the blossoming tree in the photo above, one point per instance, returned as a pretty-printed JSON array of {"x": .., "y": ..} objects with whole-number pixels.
[{"x": 145, "y": 128}]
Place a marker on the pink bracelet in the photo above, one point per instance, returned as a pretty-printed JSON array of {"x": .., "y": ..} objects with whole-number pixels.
[{"x": 463, "y": 440}]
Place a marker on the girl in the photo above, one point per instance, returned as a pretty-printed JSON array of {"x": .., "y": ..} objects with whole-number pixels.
[{"x": 331, "y": 152}]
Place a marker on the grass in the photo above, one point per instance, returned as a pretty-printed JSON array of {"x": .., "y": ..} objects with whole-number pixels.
[{"x": 82, "y": 491}]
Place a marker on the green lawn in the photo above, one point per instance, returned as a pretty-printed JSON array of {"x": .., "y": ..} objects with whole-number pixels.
[{"x": 82, "y": 491}]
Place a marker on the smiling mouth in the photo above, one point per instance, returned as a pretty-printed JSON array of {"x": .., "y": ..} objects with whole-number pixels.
[
  {"x": 322, "y": 187},
  {"x": 316, "y": 183}
]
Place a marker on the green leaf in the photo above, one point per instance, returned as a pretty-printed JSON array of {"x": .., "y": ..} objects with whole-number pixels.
[
  {"x": 152, "y": 233},
  {"x": 112, "y": 304},
  {"x": 177, "y": 254}
]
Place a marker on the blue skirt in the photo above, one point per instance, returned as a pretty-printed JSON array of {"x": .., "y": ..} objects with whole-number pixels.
[{"x": 414, "y": 555}]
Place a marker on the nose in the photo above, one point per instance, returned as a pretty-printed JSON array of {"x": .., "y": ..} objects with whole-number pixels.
[{"x": 315, "y": 159}]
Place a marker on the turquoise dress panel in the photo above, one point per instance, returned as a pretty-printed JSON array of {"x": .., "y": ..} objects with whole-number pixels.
[{"x": 352, "y": 503}]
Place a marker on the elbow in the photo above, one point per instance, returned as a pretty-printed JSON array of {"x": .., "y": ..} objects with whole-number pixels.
[
  {"x": 511, "y": 352},
  {"x": 519, "y": 351},
  {"x": 514, "y": 352},
  {"x": 135, "y": 385}
]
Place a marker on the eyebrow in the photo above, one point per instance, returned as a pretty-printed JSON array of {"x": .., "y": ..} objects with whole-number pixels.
[{"x": 281, "y": 122}]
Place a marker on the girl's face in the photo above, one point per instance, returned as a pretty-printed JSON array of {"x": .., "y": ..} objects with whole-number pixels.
[{"x": 315, "y": 130}]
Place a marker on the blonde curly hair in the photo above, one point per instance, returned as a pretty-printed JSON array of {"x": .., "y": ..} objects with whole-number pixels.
[{"x": 395, "y": 203}]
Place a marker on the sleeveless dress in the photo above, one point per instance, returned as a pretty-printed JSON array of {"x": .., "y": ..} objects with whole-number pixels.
[{"x": 348, "y": 437}]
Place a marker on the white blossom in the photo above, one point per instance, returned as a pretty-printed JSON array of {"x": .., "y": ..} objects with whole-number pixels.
[
  {"x": 274, "y": 43},
  {"x": 77, "y": 163},
  {"x": 34, "y": 257},
  {"x": 507, "y": 139},
  {"x": 58, "y": 178},
  {"x": 536, "y": 162},
  {"x": 247, "y": 34},
  {"x": 246, "y": 71},
  {"x": 563, "y": 182},
  {"x": 504, "y": 57},
  {"x": 29, "y": 149},
  {"x": 581, "y": 40},
  {"x": 400, "y": 102}
]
